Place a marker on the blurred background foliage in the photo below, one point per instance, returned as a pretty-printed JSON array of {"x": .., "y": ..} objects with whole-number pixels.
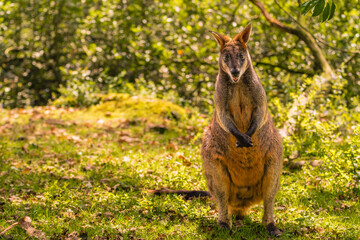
[{"x": 75, "y": 49}]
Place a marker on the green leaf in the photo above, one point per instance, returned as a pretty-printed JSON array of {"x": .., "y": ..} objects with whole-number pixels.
[
  {"x": 306, "y": 6},
  {"x": 332, "y": 10},
  {"x": 326, "y": 13},
  {"x": 319, "y": 8}
]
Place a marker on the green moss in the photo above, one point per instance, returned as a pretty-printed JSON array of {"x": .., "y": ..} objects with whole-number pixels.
[{"x": 139, "y": 107}]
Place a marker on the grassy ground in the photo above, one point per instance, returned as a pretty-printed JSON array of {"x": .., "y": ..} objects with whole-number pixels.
[{"x": 85, "y": 174}]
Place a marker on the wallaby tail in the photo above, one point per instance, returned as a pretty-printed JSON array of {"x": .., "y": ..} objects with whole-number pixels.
[{"x": 188, "y": 194}]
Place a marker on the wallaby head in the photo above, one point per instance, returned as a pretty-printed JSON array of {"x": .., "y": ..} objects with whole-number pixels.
[{"x": 234, "y": 57}]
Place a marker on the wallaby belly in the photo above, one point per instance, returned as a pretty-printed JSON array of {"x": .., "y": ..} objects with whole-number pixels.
[
  {"x": 245, "y": 197},
  {"x": 245, "y": 167}
]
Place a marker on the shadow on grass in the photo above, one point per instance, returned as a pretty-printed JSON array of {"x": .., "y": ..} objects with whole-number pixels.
[{"x": 246, "y": 230}]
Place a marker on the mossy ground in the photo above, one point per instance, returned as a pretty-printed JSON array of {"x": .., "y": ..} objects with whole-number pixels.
[{"x": 86, "y": 174}]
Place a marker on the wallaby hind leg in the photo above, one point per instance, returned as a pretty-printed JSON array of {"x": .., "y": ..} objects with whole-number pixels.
[
  {"x": 219, "y": 187},
  {"x": 224, "y": 220},
  {"x": 271, "y": 184}
]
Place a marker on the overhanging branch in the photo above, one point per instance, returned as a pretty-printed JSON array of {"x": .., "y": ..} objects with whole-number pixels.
[
  {"x": 307, "y": 38},
  {"x": 285, "y": 68}
]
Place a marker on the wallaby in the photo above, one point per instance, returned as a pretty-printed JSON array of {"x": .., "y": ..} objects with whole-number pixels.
[{"x": 241, "y": 148}]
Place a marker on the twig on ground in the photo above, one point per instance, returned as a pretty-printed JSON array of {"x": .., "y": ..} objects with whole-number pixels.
[{"x": 8, "y": 228}]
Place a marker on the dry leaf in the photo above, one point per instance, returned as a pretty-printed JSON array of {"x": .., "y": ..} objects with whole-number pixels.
[
  {"x": 172, "y": 146},
  {"x": 73, "y": 236},
  {"x": 25, "y": 223},
  {"x": 186, "y": 162},
  {"x": 56, "y": 122},
  {"x": 127, "y": 139}
]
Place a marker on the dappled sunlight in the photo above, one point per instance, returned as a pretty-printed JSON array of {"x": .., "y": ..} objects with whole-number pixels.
[{"x": 104, "y": 105}]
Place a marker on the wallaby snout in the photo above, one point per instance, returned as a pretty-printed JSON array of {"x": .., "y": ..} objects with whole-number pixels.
[{"x": 235, "y": 72}]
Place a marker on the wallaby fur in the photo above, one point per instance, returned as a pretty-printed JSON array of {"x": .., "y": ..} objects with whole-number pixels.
[{"x": 241, "y": 148}]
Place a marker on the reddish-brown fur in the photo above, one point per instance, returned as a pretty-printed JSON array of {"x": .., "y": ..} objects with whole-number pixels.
[{"x": 242, "y": 150}]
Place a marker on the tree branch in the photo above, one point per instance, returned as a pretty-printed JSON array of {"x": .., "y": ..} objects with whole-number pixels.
[
  {"x": 317, "y": 39},
  {"x": 319, "y": 59},
  {"x": 233, "y": 14},
  {"x": 285, "y": 68},
  {"x": 8, "y": 228},
  {"x": 273, "y": 21},
  {"x": 310, "y": 42},
  {"x": 348, "y": 60}
]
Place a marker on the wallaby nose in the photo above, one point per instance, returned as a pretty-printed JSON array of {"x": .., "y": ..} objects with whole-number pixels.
[{"x": 235, "y": 72}]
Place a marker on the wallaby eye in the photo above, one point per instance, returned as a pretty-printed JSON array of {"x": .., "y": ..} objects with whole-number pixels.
[
  {"x": 226, "y": 57},
  {"x": 240, "y": 56}
]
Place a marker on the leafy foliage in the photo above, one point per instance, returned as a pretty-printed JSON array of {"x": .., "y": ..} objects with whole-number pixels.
[
  {"x": 326, "y": 9},
  {"x": 77, "y": 49}
]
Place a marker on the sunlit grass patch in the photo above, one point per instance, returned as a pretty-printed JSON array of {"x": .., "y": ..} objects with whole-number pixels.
[{"x": 86, "y": 174}]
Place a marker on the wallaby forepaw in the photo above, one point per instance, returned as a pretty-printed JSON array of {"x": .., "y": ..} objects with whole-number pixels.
[
  {"x": 273, "y": 230},
  {"x": 247, "y": 143}
]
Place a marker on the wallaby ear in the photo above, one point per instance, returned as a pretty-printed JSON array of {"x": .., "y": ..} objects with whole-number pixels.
[
  {"x": 244, "y": 35},
  {"x": 221, "y": 39}
]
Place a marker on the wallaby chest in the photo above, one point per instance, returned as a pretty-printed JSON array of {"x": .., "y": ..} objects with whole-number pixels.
[{"x": 241, "y": 107}]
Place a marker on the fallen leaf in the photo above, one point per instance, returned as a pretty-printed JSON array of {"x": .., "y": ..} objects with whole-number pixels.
[
  {"x": 25, "y": 223},
  {"x": 127, "y": 139},
  {"x": 186, "y": 162},
  {"x": 56, "y": 122},
  {"x": 280, "y": 208},
  {"x": 152, "y": 143},
  {"x": 88, "y": 167},
  {"x": 108, "y": 214},
  {"x": 80, "y": 178},
  {"x": 172, "y": 146},
  {"x": 73, "y": 236},
  {"x": 14, "y": 199},
  {"x": 294, "y": 155},
  {"x": 316, "y": 163},
  {"x": 304, "y": 229}
]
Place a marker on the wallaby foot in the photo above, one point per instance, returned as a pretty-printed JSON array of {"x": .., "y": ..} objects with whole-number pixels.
[
  {"x": 273, "y": 230},
  {"x": 223, "y": 225},
  {"x": 239, "y": 217}
]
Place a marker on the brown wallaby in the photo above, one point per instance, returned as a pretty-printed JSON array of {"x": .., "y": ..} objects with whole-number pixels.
[{"x": 241, "y": 148}]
